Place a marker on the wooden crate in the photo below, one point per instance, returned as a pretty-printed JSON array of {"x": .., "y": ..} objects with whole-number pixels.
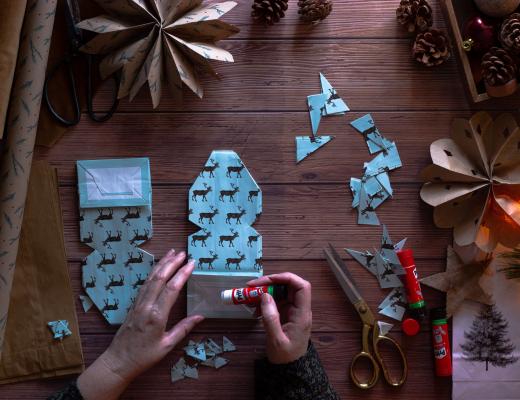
[{"x": 456, "y": 12}]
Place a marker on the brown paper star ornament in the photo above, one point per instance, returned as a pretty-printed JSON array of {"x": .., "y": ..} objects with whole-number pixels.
[
  {"x": 159, "y": 42},
  {"x": 460, "y": 281},
  {"x": 474, "y": 181}
]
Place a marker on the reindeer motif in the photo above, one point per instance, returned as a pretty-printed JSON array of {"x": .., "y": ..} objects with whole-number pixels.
[
  {"x": 368, "y": 208},
  {"x": 388, "y": 271},
  {"x": 83, "y": 262},
  {"x": 134, "y": 260},
  {"x": 110, "y": 239},
  {"x": 110, "y": 307},
  {"x": 106, "y": 261},
  {"x": 236, "y": 261},
  {"x": 138, "y": 237},
  {"x": 208, "y": 215},
  {"x": 379, "y": 195},
  {"x": 252, "y": 239},
  {"x": 229, "y": 193},
  {"x": 238, "y": 169},
  {"x": 104, "y": 217},
  {"x": 208, "y": 260},
  {"x": 201, "y": 192},
  {"x": 333, "y": 95},
  {"x": 81, "y": 217},
  {"x": 252, "y": 194},
  {"x": 230, "y": 239},
  {"x": 131, "y": 215},
  {"x": 91, "y": 283},
  {"x": 88, "y": 239},
  {"x": 209, "y": 168},
  {"x": 113, "y": 282},
  {"x": 200, "y": 238},
  {"x": 140, "y": 281},
  {"x": 236, "y": 216},
  {"x": 258, "y": 263}
]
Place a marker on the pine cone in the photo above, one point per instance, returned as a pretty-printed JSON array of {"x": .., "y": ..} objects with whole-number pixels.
[
  {"x": 498, "y": 67},
  {"x": 269, "y": 11},
  {"x": 314, "y": 11},
  {"x": 431, "y": 47},
  {"x": 415, "y": 15},
  {"x": 510, "y": 33}
]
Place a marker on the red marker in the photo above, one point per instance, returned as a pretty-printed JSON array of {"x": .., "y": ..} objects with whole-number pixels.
[
  {"x": 253, "y": 295},
  {"x": 441, "y": 342},
  {"x": 416, "y": 304}
]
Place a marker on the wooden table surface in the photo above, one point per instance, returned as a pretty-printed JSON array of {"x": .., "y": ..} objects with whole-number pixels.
[{"x": 257, "y": 109}]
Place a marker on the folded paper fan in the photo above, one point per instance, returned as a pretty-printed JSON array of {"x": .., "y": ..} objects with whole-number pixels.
[
  {"x": 474, "y": 181},
  {"x": 159, "y": 41}
]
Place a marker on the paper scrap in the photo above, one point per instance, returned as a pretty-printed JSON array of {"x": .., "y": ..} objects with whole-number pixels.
[
  {"x": 227, "y": 344},
  {"x": 384, "y": 327},
  {"x": 177, "y": 371},
  {"x": 365, "y": 258},
  {"x": 385, "y": 275},
  {"x": 86, "y": 302},
  {"x": 60, "y": 328},
  {"x": 393, "y": 311},
  {"x": 306, "y": 145},
  {"x": 215, "y": 362},
  {"x": 212, "y": 348},
  {"x": 191, "y": 372},
  {"x": 389, "y": 254},
  {"x": 196, "y": 351}
]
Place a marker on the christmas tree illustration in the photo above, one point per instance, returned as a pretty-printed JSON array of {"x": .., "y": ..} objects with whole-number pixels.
[{"x": 487, "y": 339}]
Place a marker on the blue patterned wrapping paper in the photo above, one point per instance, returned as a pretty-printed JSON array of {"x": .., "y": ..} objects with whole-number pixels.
[
  {"x": 224, "y": 202},
  {"x": 115, "y": 227}
]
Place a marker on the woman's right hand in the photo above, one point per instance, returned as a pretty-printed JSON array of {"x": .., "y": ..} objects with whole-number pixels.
[{"x": 288, "y": 326}]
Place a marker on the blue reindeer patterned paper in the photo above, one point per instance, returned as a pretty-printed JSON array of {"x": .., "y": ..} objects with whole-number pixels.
[
  {"x": 114, "y": 227},
  {"x": 334, "y": 105},
  {"x": 316, "y": 107},
  {"x": 305, "y": 145},
  {"x": 224, "y": 201}
]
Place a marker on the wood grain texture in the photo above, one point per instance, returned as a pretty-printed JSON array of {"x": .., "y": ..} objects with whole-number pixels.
[
  {"x": 236, "y": 379},
  {"x": 256, "y": 109}
]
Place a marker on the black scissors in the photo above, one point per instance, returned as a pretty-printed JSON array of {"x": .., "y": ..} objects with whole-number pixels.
[{"x": 76, "y": 41}]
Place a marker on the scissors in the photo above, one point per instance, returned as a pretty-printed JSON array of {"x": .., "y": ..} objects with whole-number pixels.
[
  {"x": 76, "y": 41},
  {"x": 371, "y": 343}
]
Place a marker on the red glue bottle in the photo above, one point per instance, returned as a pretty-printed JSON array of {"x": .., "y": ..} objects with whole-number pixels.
[
  {"x": 253, "y": 294},
  {"x": 441, "y": 342},
  {"x": 416, "y": 304}
]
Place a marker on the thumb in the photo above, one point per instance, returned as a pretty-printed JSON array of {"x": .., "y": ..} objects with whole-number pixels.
[{"x": 271, "y": 317}]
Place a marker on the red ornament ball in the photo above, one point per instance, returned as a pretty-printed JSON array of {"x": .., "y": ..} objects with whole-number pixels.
[{"x": 478, "y": 35}]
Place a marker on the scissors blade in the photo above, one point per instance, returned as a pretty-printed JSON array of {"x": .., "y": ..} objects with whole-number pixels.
[
  {"x": 72, "y": 16},
  {"x": 342, "y": 274}
]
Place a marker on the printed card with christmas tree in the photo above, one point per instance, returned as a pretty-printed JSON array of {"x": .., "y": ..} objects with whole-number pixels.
[{"x": 486, "y": 339}]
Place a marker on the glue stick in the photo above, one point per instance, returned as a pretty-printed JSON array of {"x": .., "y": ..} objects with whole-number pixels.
[
  {"x": 252, "y": 295},
  {"x": 416, "y": 304},
  {"x": 441, "y": 342}
]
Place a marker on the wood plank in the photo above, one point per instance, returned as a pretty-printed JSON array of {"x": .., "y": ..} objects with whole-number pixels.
[
  {"x": 370, "y": 74},
  {"x": 296, "y": 223},
  {"x": 331, "y": 310},
  {"x": 179, "y": 144},
  {"x": 236, "y": 380}
]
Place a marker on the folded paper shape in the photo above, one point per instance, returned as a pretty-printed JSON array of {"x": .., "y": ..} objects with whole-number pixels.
[
  {"x": 159, "y": 42},
  {"x": 224, "y": 201},
  {"x": 394, "y": 305},
  {"x": 115, "y": 218},
  {"x": 306, "y": 145},
  {"x": 474, "y": 181},
  {"x": 60, "y": 328},
  {"x": 324, "y": 104}
]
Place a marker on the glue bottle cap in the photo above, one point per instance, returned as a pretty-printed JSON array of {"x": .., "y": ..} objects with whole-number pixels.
[
  {"x": 411, "y": 327},
  {"x": 227, "y": 296}
]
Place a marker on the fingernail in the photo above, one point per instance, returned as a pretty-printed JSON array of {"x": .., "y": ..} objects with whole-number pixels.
[
  {"x": 171, "y": 252},
  {"x": 266, "y": 298}
]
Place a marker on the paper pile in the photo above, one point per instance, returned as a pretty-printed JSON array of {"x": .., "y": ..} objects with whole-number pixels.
[
  {"x": 374, "y": 187},
  {"x": 324, "y": 104},
  {"x": 385, "y": 266},
  {"x": 206, "y": 352}
]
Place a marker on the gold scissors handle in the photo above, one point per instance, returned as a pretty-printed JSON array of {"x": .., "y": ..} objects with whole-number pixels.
[
  {"x": 365, "y": 354},
  {"x": 377, "y": 362}
]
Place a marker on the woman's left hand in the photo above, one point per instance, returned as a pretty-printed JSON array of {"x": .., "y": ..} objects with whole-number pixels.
[{"x": 143, "y": 340}]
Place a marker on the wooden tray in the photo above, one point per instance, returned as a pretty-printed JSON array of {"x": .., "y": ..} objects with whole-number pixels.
[{"x": 456, "y": 12}]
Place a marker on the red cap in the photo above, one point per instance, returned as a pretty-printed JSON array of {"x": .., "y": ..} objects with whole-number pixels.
[
  {"x": 406, "y": 257},
  {"x": 411, "y": 327}
]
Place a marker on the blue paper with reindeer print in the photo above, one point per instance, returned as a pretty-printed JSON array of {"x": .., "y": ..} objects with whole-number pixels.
[
  {"x": 115, "y": 218},
  {"x": 224, "y": 202}
]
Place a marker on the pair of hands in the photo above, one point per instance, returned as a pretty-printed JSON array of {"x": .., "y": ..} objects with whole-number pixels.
[{"x": 143, "y": 340}]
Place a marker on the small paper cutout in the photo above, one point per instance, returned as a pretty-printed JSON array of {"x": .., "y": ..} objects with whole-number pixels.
[
  {"x": 86, "y": 302},
  {"x": 227, "y": 344},
  {"x": 306, "y": 145},
  {"x": 60, "y": 329},
  {"x": 384, "y": 327}
]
